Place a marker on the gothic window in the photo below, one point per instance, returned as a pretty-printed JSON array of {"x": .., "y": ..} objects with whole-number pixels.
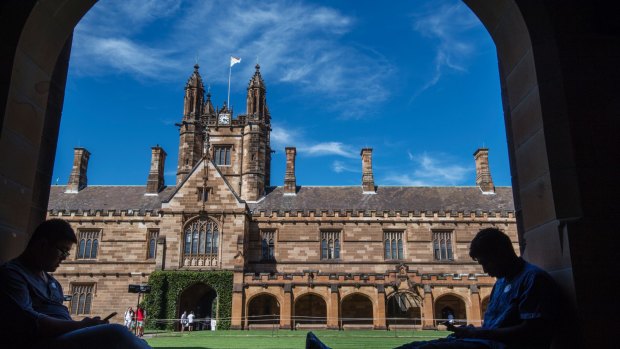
[
  {"x": 88, "y": 244},
  {"x": 151, "y": 252},
  {"x": 201, "y": 238},
  {"x": 81, "y": 298},
  {"x": 222, "y": 155},
  {"x": 330, "y": 245},
  {"x": 442, "y": 246},
  {"x": 268, "y": 245},
  {"x": 393, "y": 243}
]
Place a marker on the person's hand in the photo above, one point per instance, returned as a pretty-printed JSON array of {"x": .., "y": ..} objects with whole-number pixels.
[
  {"x": 93, "y": 321},
  {"x": 468, "y": 332}
]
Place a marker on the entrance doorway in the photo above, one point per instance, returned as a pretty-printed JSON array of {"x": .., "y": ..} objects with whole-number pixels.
[{"x": 202, "y": 300}]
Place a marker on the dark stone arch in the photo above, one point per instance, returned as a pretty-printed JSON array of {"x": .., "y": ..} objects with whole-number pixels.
[
  {"x": 356, "y": 309},
  {"x": 450, "y": 303},
  {"x": 403, "y": 308},
  {"x": 201, "y": 299},
  {"x": 310, "y": 308},
  {"x": 263, "y": 308}
]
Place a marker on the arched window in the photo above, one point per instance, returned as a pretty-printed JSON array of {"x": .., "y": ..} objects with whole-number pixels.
[
  {"x": 152, "y": 244},
  {"x": 93, "y": 251},
  {"x": 81, "y": 250},
  {"x": 201, "y": 238}
]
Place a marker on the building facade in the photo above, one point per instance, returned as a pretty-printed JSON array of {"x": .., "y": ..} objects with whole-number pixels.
[{"x": 339, "y": 257}]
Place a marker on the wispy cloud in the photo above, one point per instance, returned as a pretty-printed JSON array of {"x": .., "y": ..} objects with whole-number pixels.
[
  {"x": 297, "y": 44},
  {"x": 339, "y": 167},
  {"x": 427, "y": 170},
  {"x": 450, "y": 25},
  {"x": 289, "y": 137}
]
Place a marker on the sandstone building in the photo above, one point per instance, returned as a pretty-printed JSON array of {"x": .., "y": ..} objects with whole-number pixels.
[{"x": 362, "y": 256}]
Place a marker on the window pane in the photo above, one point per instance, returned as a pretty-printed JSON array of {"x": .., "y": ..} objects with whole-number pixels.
[
  {"x": 387, "y": 249},
  {"x": 337, "y": 249},
  {"x": 74, "y": 303},
  {"x": 323, "y": 249},
  {"x": 214, "y": 246},
  {"x": 195, "y": 242},
  {"x": 81, "y": 304},
  {"x": 227, "y": 156},
  {"x": 88, "y": 249},
  {"x": 393, "y": 252},
  {"x": 188, "y": 241},
  {"x": 271, "y": 250},
  {"x": 400, "y": 249},
  {"x": 93, "y": 253},
  {"x": 151, "y": 248},
  {"x": 81, "y": 251},
  {"x": 87, "y": 303}
]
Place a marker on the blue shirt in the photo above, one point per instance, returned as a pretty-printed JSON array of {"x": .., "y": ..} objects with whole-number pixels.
[
  {"x": 31, "y": 293},
  {"x": 528, "y": 295}
]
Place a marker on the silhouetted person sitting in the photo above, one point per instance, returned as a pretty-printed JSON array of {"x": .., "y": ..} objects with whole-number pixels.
[
  {"x": 32, "y": 300},
  {"x": 522, "y": 311}
]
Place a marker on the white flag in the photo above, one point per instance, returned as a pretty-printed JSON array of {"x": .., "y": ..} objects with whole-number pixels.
[{"x": 234, "y": 60}]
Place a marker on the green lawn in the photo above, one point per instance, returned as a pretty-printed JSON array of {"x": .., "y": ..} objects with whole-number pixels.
[{"x": 283, "y": 339}]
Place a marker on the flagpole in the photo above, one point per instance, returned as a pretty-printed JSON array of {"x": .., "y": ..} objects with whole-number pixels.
[{"x": 229, "y": 73}]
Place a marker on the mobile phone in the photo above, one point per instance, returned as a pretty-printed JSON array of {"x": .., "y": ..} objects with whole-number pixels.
[{"x": 109, "y": 316}]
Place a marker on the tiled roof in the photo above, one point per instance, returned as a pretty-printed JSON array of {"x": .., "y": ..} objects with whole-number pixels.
[
  {"x": 106, "y": 198},
  {"x": 406, "y": 199}
]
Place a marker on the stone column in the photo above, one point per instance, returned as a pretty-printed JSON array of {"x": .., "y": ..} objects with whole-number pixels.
[
  {"x": 238, "y": 303},
  {"x": 427, "y": 309},
  {"x": 379, "y": 315},
  {"x": 475, "y": 315},
  {"x": 333, "y": 312},
  {"x": 286, "y": 308}
]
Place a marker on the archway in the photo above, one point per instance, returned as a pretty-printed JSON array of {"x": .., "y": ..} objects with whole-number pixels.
[
  {"x": 450, "y": 304},
  {"x": 403, "y": 308},
  {"x": 310, "y": 309},
  {"x": 201, "y": 299},
  {"x": 356, "y": 309},
  {"x": 563, "y": 195},
  {"x": 264, "y": 309}
]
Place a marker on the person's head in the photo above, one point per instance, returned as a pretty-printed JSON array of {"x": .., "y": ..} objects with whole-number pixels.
[
  {"x": 493, "y": 250},
  {"x": 50, "y": 244}
]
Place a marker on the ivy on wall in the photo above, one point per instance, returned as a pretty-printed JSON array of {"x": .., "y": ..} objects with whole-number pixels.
[{"x": 166, "y": 287}]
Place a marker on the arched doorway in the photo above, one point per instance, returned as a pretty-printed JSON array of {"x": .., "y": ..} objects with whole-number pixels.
[
  {"x": 356, "y": 309},
  {"x": 202, "y": 300},
  {"x": 403, "y": 308},
  {"x": 264, "y": 309},
  {"x": 450, "y": 304},
  {"x": 310, "y": 309}
]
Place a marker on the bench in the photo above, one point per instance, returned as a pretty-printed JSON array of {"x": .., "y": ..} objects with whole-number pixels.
[
  {"x": 264, "y": 327},
  {"x": 358, "y": 327},
  {"x": 400, "y": 327},
  {"x": 311, "y": 326}
]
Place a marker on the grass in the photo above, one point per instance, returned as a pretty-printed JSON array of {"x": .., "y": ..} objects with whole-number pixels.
[{"x": 284, "y": 339}]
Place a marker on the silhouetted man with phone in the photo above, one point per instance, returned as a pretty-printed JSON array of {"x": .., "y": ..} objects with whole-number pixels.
[
  {"x": 32, "y": 300},
  {"x": 522, "y": 311}
]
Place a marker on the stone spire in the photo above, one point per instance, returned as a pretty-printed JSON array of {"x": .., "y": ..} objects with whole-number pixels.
[
  {"x": 77, "y": 179},
  {"x": 290, "y": 182},
  {"x": 483, "y": 171},
  {"x": 256, "y": 102},
  {"x": 368, "y": 180},
  {"x": 190, "y": 129}
]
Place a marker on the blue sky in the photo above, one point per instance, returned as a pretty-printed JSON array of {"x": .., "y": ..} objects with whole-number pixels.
[{"x": 415, "y": 80}]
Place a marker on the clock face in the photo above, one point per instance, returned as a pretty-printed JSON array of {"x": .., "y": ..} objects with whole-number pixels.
[{"x": 224, "y": 119}]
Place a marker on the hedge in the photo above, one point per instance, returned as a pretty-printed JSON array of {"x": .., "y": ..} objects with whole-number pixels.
[{"x": 167, "y": 286}]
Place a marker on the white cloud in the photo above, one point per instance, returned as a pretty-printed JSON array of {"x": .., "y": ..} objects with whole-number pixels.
[
  {"x": 296, "y": 43},
  {"x": 450, "y": 26},
  {"x": 427, "y": 170},
  {"x": 328, "y": 148},
  {"x": 339, "y": 167}
]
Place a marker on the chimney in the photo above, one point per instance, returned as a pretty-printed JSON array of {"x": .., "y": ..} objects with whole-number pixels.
[
  {"x": 290, "y": 183},
  {"x": 368, "y": 181},
  {"x": 155, "y": 180},
  {"x": 483, "y": 172},
  {"x": 77, "y": 179}
]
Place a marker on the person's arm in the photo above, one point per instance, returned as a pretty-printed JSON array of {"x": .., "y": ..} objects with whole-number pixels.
[
  {"x": 52, "y": 327},
  {"x": 531, "y": 328}
]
